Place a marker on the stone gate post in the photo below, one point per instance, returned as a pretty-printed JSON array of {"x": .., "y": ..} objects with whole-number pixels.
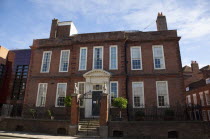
[{"x": 103, "y": 130}]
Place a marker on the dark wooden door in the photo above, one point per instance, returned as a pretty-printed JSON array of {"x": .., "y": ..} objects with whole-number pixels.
[{"x": 96, "y": 97}]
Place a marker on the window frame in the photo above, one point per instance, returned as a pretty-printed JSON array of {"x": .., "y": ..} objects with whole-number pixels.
[
  {"x": 195, "y": 101},
  {"x": 41, "y": 71},
  {"x": 202, "y": 101},
  {"x": 207, "y": 98},
  {"x": 85, "y": 59},
  {"x": 93, "y": 66},
  {"x": 38, "y": 94},
  {"x": 142, "y": 95},
  {"x": 110, "y": 98},
  {"x": 110, "y": 60},
  {"x": 153, "y": 52},
  {"x": 61, "y": 59},
  {"x": 131, "y": 53},
  {"x": 168, "y": 101},
  {"x": 82, "y": 106},
  {"x": 56, "y": 98}
]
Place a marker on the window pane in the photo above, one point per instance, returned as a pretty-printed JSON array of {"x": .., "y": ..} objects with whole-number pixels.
[
  {"x": 158, "y": 57},
  {"x": 81, "y": 88},
  {"x": 64, "y": 60},
  {"x": 162, "y": 91},
  {"x": 136, "y": 58},
  {"x": 46, "y": 62},
  {"x": 98, "y": 58},
  {"x": 61, "y": 93},
  {"x": 138, "y": 94},
  {"x": 83, "y": 55},
  {"x": 42, "y": 95},
  {"x": 113, "y": 57},
  {"x": 113, "y": 91}
]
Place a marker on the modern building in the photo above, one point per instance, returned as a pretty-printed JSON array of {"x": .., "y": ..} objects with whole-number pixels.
[{"x": 143, "y": 67}]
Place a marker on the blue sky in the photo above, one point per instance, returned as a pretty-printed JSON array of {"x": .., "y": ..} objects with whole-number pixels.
[{"x": 25, "y": 20}]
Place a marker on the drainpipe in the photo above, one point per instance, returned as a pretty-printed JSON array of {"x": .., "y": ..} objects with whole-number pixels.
[{"x": 126, "y": 74}]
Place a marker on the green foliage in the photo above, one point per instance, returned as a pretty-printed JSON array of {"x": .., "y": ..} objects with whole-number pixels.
[
  {"x": 33, "y": 112},
  {"x": 169, "y": 112},
  {"x": 49, "y": 113},
  {"x": 67, "y": 101},
  {"x": 120, "y": 102},
  {"x": 140, "y": 114}
]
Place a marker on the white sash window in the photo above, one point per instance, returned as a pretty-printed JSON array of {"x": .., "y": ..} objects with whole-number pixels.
[
  {"x": 64, "y": 61},
  {"x": 201, "y": 98},
  {"x": 138, "y": 94},
  {"x": 136, "y": 62},
  {"x": 98, "y": 58},
  {"x": 41, "y": 95},
  {"x": 46, "y": 59},
  {"x": 162, "y": 93},
  {"x": 61, "y": 94},
  {"x": 113, "y": 57},
  {"x": 207, "y": 97},
  {"x": 83, "y": 58},
  {"x": 158, "y": 57},
  {"x": 113, "y": 90}
]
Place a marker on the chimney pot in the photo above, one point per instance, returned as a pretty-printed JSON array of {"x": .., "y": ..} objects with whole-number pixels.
[{"x": 161, "y": 22}]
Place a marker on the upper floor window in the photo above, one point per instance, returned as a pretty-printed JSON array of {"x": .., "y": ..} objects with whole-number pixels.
[
  {"x": 201, "y": 98},
  {"x": 208, "y": 81},
  {"x": 83, "y": 59},
  {"x": 138, "y": 94},
  {"x": 41, "y": 95},
  {"x": 113, "y": 90},
  {"x": 162, "y": 93},
  {"x": 113, "y": 57},
  {"x": 158, "y": 57},
  {"x": 136, "y": 62},
  {"x": 61, "y": 94},
  {"x": 195, "y": 99},
  {"x": 188, "y": 100},
  {"x": 98, "y": 58},
  {"x": 46, "y": 61},
  {"x": 64, "y": 61}
]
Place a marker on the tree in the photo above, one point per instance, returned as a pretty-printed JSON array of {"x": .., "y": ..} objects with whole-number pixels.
[{"x": 120, "y": 103}]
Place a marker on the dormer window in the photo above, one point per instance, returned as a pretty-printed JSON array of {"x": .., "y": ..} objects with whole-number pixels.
[{"x": 187, "y": 88}]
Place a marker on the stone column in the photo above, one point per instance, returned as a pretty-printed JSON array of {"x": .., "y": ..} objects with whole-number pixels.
[
  {"x": 103, "y": 130},
  {"x": 74, "y": 115}
]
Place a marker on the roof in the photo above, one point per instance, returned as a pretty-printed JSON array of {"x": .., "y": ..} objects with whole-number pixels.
[
  {"x": 187, "y": 69},
  {"x": 206, "y": 68}
]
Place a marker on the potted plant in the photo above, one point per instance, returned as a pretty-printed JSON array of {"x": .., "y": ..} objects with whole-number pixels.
[
  {"x": 120, "y": 103},
  {"x": 139, "y": 115},
  {"x": 32, "y": 112},
  {"x": 168, "y": 115},
  {"x": 67, "y": 101},
  {"x": 49, "y": 112}
]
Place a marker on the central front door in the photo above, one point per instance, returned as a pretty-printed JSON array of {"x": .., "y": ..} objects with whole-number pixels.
[{"x": 96, "y": 97}]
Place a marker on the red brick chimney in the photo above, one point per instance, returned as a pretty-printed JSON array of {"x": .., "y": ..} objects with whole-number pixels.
[
  {"x": 54, "y": 26},
  {"x": 161, "y": 22},
  {"x": 194, "y": 66}
]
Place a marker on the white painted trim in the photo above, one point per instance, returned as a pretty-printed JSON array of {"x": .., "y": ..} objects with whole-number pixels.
[
  {"x": 167, "y": 95},
  {"x": 61, "y": 59},
  {"x": 66, "y": 23},
  {"x": 94, "y": 56},
  {"x": 57, "y": 94},
  {"x": 113, "y": 46},
  {"x": 132, "y": 57},
  {"x": 158, "y": 46},
  {"x": 38, "y": 94},
  {"x": 140, "y": 98},
  {"x": 49, "y": 61},
  {"x": 110, "y": 103},
  {"x": 85, "y": 59}
]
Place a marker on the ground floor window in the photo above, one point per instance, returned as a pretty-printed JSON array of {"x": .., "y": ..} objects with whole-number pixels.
[
  {"x": 204, "y": 115},
  {"x": 41, "y": 95},
  {"x": 113, "y": 90},
  {"x": 81, "y": 86},
  {"x": 61, "y": 94},
  {"x": 162, "y": 93},
  {"x": 138, "y": 94}
]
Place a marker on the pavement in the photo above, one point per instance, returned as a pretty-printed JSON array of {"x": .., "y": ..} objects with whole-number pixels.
[{"x": 28, "y": 135}]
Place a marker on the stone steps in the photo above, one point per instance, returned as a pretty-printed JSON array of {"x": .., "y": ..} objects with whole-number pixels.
[{"x": 89, "y": 128}]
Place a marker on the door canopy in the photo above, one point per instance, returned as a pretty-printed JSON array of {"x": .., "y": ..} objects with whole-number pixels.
[{"x": 97, "y": 73}]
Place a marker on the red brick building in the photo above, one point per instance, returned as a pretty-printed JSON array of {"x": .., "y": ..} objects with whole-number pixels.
[
  {"x": 144, "y": 67},
  {"x": 197, "y": 83}
]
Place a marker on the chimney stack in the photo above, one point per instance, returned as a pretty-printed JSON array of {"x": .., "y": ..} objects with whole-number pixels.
[
  {"x": 161, "y": 22},
  {"x": 54, "y": 28},
  {"x": 195, "y": 67}
]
